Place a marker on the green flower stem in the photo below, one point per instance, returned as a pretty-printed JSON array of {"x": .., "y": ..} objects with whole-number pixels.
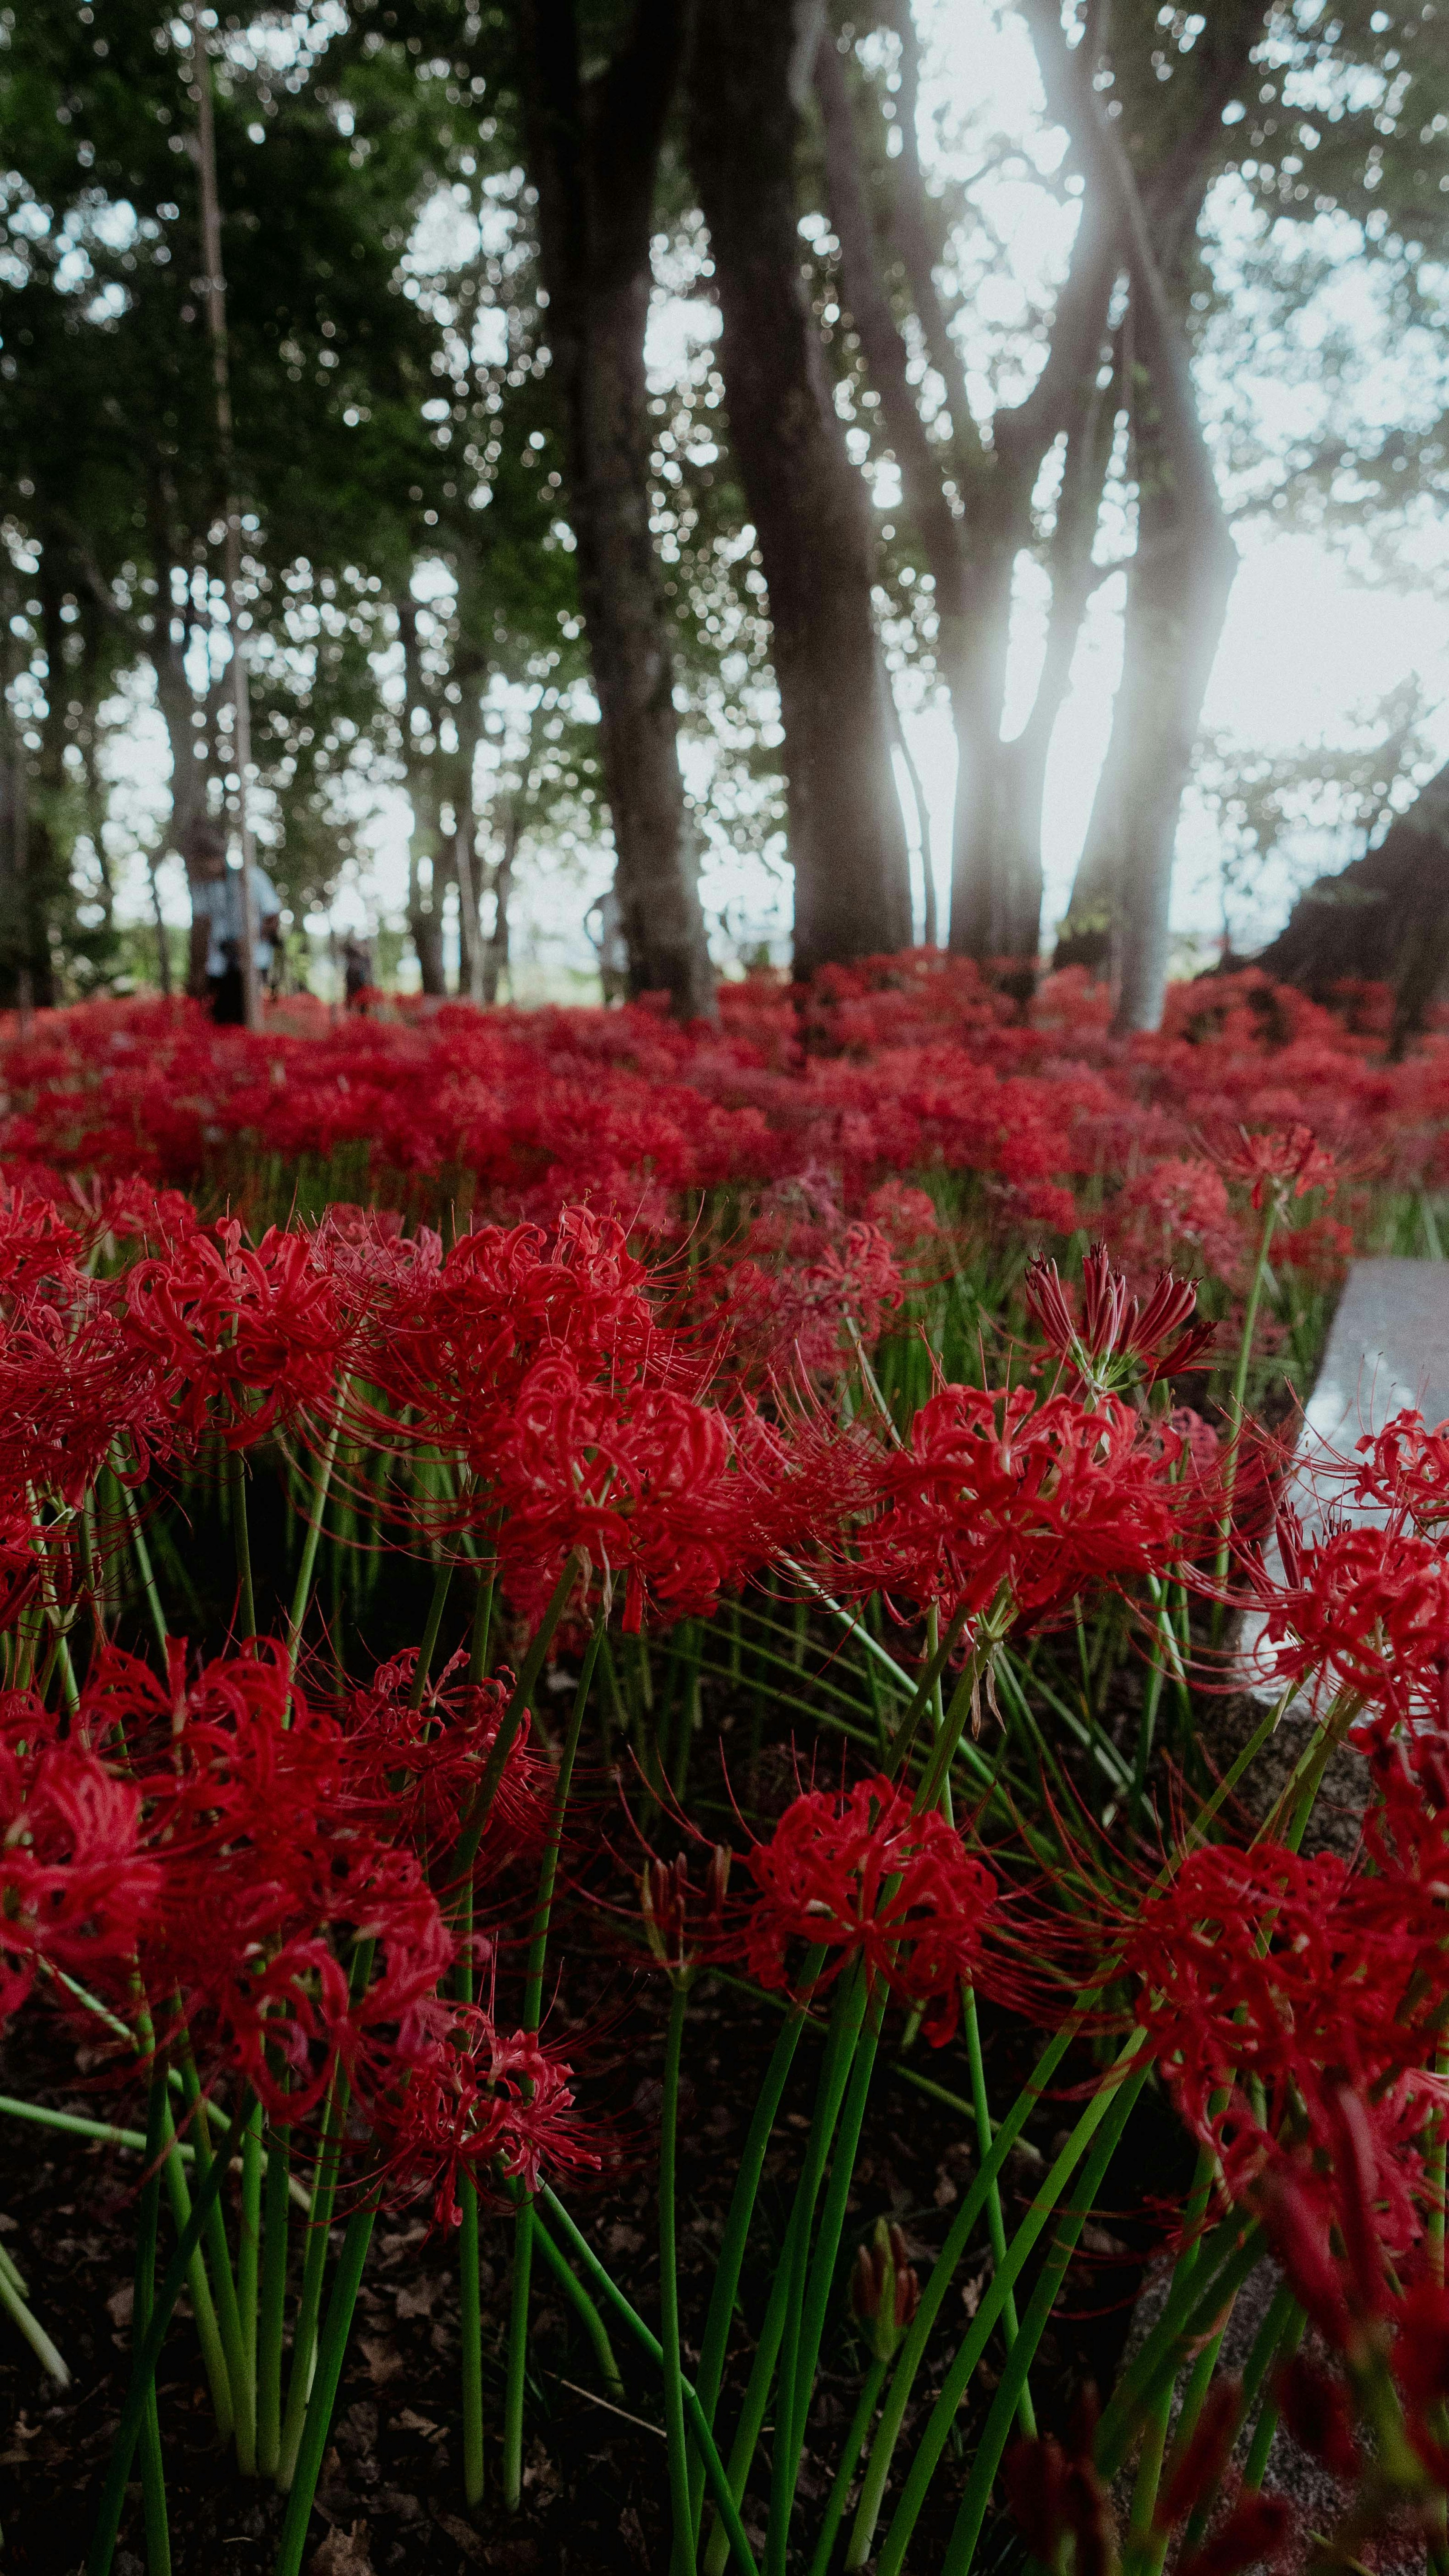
[
  {"x": 726, "y": 2282},
  {"x": 584, "y": 2308},
  {"x": 153, "y": 2475},
  {"x": 228, "y": 2314},
  {"x": 309, "y": 2302},
  {"x": 948, "y": 2262},
  {"x": 937, "y": 1773},
  {"x": 909, "y": 1727},
  {"x": 13, "y": 2302},
  {"x": 470, "y": 2329},
  {"x": 236, "y": 1477},
  {"x": 962, "y": 2545},
  {"x": 860, "y": 2423},
  {"x": 513, "y": 1716},
  {"x": 141, "y": 1553},
  {"x": 995, "y": 2224},
  {"x": 482, "y": 1627},
  {"x": 248, "y": 2259},
  {"x": 345, "y": 2285},
  {"x": 515, "y": 2380},
  {"x": 1256, "y": 2463},
  {"x": 273, "y": 2305},
  {"x": 1240, "y": 1389},
  {"x": 321, "y": 1483},
  {"x": 208, "y": 2333},
  {"x": 729, "y": 2510},
  {"x": 1129, "y": 2078},
  {"x": 1227, "y": 2257},
  {"x": 143, "y": 2373},
  {"x": 516, "y": 2371},
  {"x": 846, "y": 2021},
  {"x": 756, "y": 2402},
  {"x": 442, "y": 1579},
  {"x": 682, "y": 2553},
  {"x": 827, "y": 2249}
]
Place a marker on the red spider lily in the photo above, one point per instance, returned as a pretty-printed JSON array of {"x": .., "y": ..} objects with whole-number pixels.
[
  {"x": 1369, "y": 1605},
  {"x": 1119, "y": 1342},
  {"x": 1283, "y": 1166},
  {"x": 1269, "y": 1983},
  {"x": 479, "y": 2103},
  {"x": 1405, "y": 1470},
  {"x": 69, "y": 1388},
  {"x": 76, "y": 1880},
  {"x": 459, "y": 1342},
  {"x": 806, "y": 1318},
  {"x": 638, "y": 1481},
  {"x": 239, "y": 1338},
  {"x": 1000, "y": 1499},
  {"x": 412, "y": 1772},
  {"x": 857, "y": 1873}
]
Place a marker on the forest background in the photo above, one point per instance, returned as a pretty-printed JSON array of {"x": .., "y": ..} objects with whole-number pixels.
[{"x": 757, "y": 446}]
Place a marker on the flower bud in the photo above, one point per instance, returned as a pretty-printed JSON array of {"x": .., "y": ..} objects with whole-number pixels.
[{"x": 884, "y": 2291}]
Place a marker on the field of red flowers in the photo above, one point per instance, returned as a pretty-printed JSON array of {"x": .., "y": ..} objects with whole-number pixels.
[{"x": 628, "y": 1874}]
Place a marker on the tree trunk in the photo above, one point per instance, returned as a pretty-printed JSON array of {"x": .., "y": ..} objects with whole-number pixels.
[
  {"x": 425, "y": 840},
  {"x": 469, "y": 671},
  {"x": 173, "y": 689},
  {"x": 972, "y": 542},
  {"x": 1183, "y": 568},
  {"x": 1383, "y": 919},
  {"x": 1177, "y": 600},
  {"x": 495, "y": 955},
  {"x": 593, "y": 152},
  {"x": 847, "y": 831}
]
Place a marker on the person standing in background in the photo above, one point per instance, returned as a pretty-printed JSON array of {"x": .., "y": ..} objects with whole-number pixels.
[{"x": 217, "y": 925}]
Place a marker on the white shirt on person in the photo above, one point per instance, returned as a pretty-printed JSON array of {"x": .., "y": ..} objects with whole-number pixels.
[{"x": 218, "y": 902}]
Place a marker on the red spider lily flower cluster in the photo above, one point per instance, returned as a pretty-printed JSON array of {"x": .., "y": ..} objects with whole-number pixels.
[
  {"x": 238, "y": 1338},
  {"x": 1405, "y": 1471},
  {"x": 1120, "y": 1342},
  {"x": 1281, "y": 1166},
  {"x": 999, "y": 1498},
  {"x": 478, "y": 2101},
  {"x": 216, "y": 1840},
  {"x": 862, "y": 1876},
  {"x": 1270, "y": 1984},
  {"x": 1367, "y": 1604}
]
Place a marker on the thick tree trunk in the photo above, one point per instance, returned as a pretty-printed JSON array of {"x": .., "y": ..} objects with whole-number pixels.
[
  {"x": 1383, "y": 919},
  {"x": 593, "y": 150},
  {"x": 972, "y": 541},
  {"x": 1177, "y": 599},
  {"x": 1183, "y": 569},
  {"x": 847, "y": 831},
  {"x": 427, "y": 865}
]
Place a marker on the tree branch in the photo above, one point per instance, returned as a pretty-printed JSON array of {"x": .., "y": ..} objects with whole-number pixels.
[{"x": 1161, "y": 340}]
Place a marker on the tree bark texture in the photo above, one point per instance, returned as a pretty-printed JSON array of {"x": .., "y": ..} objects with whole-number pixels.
[
  {"x": 1185, "y": 561},
  {"x": 593, "y": 150},
  {"x": 1384, "y": 918},
  {"x": 847, "y": 831},
  {"x": 971, "y": 506}
]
